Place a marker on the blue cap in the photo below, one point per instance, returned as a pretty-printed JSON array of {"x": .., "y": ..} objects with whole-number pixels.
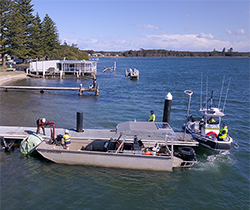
[
  {"x": 152, "y": 111},
  {"x": 224, "y": 124}
]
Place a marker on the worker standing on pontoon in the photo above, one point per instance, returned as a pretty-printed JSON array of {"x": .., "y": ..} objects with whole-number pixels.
[
  {"x": 152, "y": 116},
  {"x": 40, "y": 124}
]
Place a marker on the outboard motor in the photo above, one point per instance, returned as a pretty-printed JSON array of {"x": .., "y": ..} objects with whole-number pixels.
[{"x": 187, "y": 153}]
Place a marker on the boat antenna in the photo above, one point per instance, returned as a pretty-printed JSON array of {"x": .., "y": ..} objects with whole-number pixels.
[
  {"x": 207, "y": 89},
  {"x": 221, "y": 91},
  {"x": 201, "y": 93},
  {"x": 211, "y": 99},
  {"x": 226, "y": 94}
]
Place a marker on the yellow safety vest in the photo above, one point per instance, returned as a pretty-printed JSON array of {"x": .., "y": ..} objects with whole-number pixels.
[
  {"x": 67, "y": 139},
  {"x": 152, "y": 117},
  {"x": 211, "y": 121},
  {"x": 222, "y": 134}
]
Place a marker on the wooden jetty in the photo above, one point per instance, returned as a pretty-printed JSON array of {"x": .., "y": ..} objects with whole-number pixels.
[{"x": 80, "y": 89}]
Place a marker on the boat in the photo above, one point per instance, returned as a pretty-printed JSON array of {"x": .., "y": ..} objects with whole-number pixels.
[
  {"x": 206, "y": 131},
  {"x": 133, "y": 75},
  {"x": 29, "y": 143},
  {"x": 127, "y": 151}
]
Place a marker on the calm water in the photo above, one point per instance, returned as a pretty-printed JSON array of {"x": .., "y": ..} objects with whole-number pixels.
[{"x": 218, "y": 181}]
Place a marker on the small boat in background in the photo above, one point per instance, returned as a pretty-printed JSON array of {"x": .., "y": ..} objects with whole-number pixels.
[{"x": 133, "y": 75}]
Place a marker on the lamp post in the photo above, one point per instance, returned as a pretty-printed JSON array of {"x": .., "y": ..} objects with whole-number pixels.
[{"x": 188, "y": 92}]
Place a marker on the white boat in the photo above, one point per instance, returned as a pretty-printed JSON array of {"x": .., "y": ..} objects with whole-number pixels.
[
  {"x": 133, "y": 75},
  {"x": 29, "y": 143},
  {"x": 206, "y": 132},
  {"x": 127, "y": 151}
]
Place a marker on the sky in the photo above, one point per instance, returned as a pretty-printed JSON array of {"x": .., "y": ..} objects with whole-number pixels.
[{"x": 119, "y": 25}]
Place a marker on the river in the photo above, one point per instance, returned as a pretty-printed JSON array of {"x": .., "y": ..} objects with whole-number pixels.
[{"x": 217, "y": 181}]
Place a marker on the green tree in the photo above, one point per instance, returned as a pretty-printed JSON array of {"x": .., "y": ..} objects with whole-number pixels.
[
  {"x": 26, "y": 9},
  {"x": 36, "y": 50},
  {"x": 16, "y": 33},
  {"x": 5, "y": 8},
  {"x": 49, "y": 36}
]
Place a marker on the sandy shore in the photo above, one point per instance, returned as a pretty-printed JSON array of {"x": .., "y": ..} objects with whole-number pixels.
[{"x": 8, "y": 77}]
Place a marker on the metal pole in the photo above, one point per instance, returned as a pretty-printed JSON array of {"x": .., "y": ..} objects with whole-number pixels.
[{"x": 188, "y": 92}]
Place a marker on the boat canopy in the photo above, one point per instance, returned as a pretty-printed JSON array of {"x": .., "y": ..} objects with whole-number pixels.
[
  {"x": 160, "y": 129},
  {"x": 212, "y": 112}
]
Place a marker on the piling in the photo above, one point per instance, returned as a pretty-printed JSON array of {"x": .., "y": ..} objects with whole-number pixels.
[
  {"x": 167, "y": 108},
  {"x": 79, "y": 122}
]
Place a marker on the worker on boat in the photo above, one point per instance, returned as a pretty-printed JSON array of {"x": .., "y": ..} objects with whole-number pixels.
[
  {"x": 40, "y": 124},
  {"x": 211, "y": 120},
  {"x": 152, "y": 116},
  {"x": 223, "y": 132},
  {"x": 66, "y": 138}
]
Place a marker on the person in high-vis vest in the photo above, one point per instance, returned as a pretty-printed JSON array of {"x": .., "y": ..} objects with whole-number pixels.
[
  {"x": 223, "y": 132},
  {"x": 211, "y": 120},
  {"x": 67, "y": 141},
  {"x": 152, "y": 116}
]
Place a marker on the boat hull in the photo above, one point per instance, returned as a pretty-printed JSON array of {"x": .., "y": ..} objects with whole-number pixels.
[
  {"x": 29, "y": 144},
  {"x": 210, "y": 142},
  {"x": 127, "y": 160},
  {"x": 214, "y": 144}
]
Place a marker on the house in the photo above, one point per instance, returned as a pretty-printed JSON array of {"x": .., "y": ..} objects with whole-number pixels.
[{"x": 66, "y": 66}]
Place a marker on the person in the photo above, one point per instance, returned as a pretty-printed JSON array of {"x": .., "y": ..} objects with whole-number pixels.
[
  {"x": 223, "y": 132},
  {"x": 152, "y": 116},
  {"x": 211, "y": 120},
  {"x": 94, "y": 82},
  {"x": 66, "y": 138},
  {"x": 40, "y": 124}
]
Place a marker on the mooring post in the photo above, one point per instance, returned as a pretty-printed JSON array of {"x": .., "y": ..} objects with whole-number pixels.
[
  {"x": 61, "y": 74},
  {"x": 79, "y": 122},
  {"x": 167, "y": 108},
  {"x": 114, "y": 66},
  {"x": 43, "y": 73},
  {"x": 80, "y": 90},
  {"x": 97, "y": 90}
]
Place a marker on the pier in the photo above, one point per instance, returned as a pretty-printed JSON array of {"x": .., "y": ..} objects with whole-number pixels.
[
  {"x": 18, "y": 133},
  {"x": 79, "y": 89}
]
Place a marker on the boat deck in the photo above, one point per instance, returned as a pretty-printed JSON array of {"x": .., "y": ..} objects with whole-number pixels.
[{"x": 18, "y": 133}]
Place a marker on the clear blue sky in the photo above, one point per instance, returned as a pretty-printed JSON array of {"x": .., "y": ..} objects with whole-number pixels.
[{"x": 117, "y": 25}]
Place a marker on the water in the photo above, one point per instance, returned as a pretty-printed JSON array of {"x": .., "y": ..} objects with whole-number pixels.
[{"x": 218, "y": 181}]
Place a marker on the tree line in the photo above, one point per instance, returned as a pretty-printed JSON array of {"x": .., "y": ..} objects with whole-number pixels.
[
  {"x": 25, "y": 36},
  {"x": 172, "y": 53}
]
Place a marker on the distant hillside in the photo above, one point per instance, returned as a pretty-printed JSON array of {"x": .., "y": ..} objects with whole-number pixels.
[{"x": 170, "y": 53}]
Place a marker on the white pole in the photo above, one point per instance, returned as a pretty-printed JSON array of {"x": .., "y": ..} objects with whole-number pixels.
[
  {"x": 226, "y": 94},
  {"x": 114, "y": 66},
  {"x": 188, "y": 92},
  {"x": 201, "y": 92},
  {"x": 221, "y": 91}
]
